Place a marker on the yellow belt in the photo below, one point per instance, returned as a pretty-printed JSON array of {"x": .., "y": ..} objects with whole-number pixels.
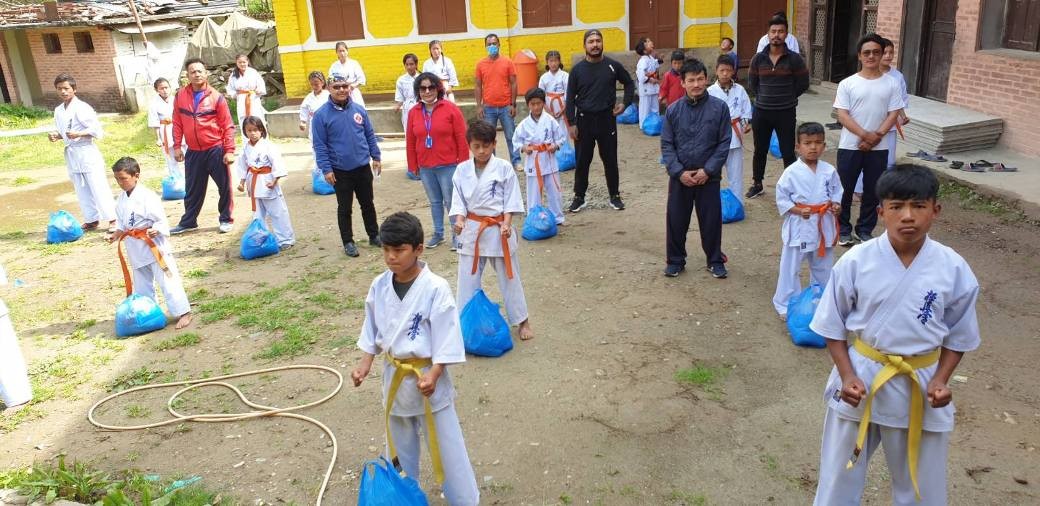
[
  {"x": 895, "y": 365},
  {"x": 406, "y": 366}
]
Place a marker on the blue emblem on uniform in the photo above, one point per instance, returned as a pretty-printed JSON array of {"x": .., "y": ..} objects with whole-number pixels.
[
  {"x": 133, "y": 218},
  {"x": 494, "y": 188},
  {"x": 925, "y": 313},
  {"x": 413, "y": 331}
]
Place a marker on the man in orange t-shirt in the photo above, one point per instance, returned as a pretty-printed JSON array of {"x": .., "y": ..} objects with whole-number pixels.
[{"x": 495, "y": 91}]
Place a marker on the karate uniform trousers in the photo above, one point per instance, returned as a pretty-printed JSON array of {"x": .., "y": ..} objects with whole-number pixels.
[
  {"x": 512, "y": 290},
  {"x": 172, "y": 287},
  {"x": 648, "y": 103},
  {"x": 735, "y": 171},
  {"x": 278, "y": 212},
  {"x": 14, "y": 377},
  {"x": 551, "y": 184},
  {"x": 87, "y": 172},
  {"x": 789, "y": 282},
  {"x": 460, "y": 485}
]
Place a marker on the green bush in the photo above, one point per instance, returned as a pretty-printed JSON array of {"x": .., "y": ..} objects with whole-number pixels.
[{"x": 17, "y": 117}]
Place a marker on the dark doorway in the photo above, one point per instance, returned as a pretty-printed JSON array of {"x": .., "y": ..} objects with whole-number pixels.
[
  {"x": 657, "y": 19},
  {"x": 940, "y": 30},
  {"x": 3, "y": 86},
  {"x": 753, "y": 22}
]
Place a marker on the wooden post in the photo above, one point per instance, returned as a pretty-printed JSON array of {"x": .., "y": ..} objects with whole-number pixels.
[{"x": 133, "y": 9}]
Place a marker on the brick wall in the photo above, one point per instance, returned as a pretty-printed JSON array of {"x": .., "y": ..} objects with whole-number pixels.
[
  {"x": 5, "y": 62},
  {"x": 802, "y": 13},
  {"x": 95, "y": 73},
  {"x": 890, "y": 23}
]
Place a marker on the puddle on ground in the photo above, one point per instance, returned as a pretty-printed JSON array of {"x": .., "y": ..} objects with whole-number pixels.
[{"x": 30, "y": 209}]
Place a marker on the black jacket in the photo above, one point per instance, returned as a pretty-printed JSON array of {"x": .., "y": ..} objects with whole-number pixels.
[{"x": 591, "y": 87}]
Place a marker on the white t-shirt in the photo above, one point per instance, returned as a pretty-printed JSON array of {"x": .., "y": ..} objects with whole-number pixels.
[{"x": 868, "y": 102}]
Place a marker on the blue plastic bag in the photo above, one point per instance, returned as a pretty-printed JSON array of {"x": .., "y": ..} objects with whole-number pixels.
[
  {"x": 630, "y": 116},
  {"x": 381, "y": 485},
  {"x": 774, "y": 147},
  {"x": 652, "y": 124},
  {"x": 138, "y": 314},
  {"x": 62, "y": 227},
  {"x": 539, "y": 224},
  {"x": 800, "y": 311},
  {"x": 172, "y": 188},
  {"x": 258, "y": 241},
  {"x": 319, "y": 185},
  {"x": 484, "y": 331},
  {"x": 566, "y": 158},
  {"x": 732, "y": 208}
]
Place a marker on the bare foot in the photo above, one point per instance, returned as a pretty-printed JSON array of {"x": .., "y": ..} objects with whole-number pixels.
[
  {"x": 525, "y": 330},
  {"x": 184, "y": 320},
  {"x": 783, "y": 317}
]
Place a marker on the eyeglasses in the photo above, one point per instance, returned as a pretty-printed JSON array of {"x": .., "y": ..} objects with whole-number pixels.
[
  {"x": 868, "y": 52},
  {"x": 427, "y": 88}
]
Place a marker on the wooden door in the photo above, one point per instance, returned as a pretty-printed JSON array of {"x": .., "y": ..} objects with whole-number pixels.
[
  {"x": 937, "y": 50},
  {"x": 657, "y": 19},
  {"x": 752, "y": 23}
]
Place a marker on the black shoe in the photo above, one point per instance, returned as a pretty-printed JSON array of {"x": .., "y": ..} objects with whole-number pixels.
[
  {"x": 351, "y": 249},
  {"x": 375, "y": 242},
  {"x": 672, "y": 270},
  {"x": 577, "y": 204},
  {"x": 846, "y": 240},
  {"x": 863, "y": 236},
  {"x": 616, "y": 203},
  {"x": 180, "y": 230},
  {"x": 755, "y": 190},
  {"x": 718, "y": 271}
]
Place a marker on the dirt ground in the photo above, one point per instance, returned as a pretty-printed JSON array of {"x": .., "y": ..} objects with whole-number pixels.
[{"x": 589, "y": 412}]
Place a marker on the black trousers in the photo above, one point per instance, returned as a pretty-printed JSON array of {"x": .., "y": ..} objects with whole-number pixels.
[
  {"x": 348, "y": 184},
  {"x": 763, "y": 123},
  {"x": 199, "y": 168},
  {"x": 596, "y": 128},
  {"x": 851, "y": 162},
  {"x": 682, "y": 201}
]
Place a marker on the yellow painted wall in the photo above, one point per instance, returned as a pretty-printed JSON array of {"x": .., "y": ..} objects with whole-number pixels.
[
  {"x": 706, "y": 35},
  {"x": 601, "y": 11},
  {"x": 696, "y": 9},
  {"x": 389, "y": 18}
]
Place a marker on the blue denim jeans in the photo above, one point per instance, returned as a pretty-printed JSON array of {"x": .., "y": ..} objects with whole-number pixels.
[
  {"x": 492, "y": 115},
  {"x": 437, "y": 182}
]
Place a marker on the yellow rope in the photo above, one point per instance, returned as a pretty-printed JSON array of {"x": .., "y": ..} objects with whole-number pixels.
[{"x": 263, "y": 411}]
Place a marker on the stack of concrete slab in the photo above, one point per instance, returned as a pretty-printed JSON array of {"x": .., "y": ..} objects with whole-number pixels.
[{"x": 938, "y": 127}]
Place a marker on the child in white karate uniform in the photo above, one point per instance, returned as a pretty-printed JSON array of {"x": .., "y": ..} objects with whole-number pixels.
[
  {"x": 910, "y": 302},
  {"x": 15, "y": 390},
  {"x": 646, "y": 77},
  {"x": 554, "y": 82},
  {"x": 246, "y": 86},
  {"x": 808, "y": 196},
  {"x": 740, "y": 117},
  {"x": 315, "y": 99},
  {"x": 142, "y": 226},
  {"x": 411, "y": 319},
  {"x": 438, "y": 63},
  {"x": 77, "y": 125},
  {"x": 160, "y": 118},
  {"x": 404, "y": 96},
  {"x": 259, "y": 170},
  {"x": 539, "y": 136},
  {"x": 351, "y": 71},
  {"x": 486, "y": 195}
]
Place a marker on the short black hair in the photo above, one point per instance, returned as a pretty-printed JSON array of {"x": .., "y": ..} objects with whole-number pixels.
[
  {"x": 65, "y": 77},
  {"x": 159, "y": 81},
  {"x": 724, "y": 59},
  {"x": 724, "y": 39},
  {"x": 534, "y": 93},
  {"x": 870, "y": 37},
  {"x": 434, "y": 79},
  {"x": 678, "y": 55},
  {"x": 886, "y": 42},
  {"x": 480, "y": 130},
  {"x": 810, "y": 128},
  {"x": 778, "y": 19},
  {"x": 908, "y": 182},
  {"x": 488, "y": 36},
  {"x": 641, "y": 46},
  {"x": 128, "y": 165},
  {"x": 401, "y": 228},
  {"x": 411, "y": 56},
  {"x": 191, "y": 61},
  {"x": 341, "y": 43},
  {"x": 692, "y": 66},
  {"x": 256, "y": 122}
]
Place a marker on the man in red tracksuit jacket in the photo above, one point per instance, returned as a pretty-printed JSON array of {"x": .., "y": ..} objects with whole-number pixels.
[{"x": 202, "y": 119}]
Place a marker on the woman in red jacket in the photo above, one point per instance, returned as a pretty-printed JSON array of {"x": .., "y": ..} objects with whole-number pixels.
[{"x": 436, "y": 143}]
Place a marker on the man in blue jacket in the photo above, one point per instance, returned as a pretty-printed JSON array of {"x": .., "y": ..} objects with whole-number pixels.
[
  {"x": 695, "y": 138},
  {"x": 346, "y": 152}
]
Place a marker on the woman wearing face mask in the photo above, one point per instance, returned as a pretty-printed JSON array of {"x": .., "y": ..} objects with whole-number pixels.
[
  {"x": 246, "y": 86},
  {"x": 436, "y": 143},
  {"x": 439, "y": 63},
  {"x": 351, "y": 70}
]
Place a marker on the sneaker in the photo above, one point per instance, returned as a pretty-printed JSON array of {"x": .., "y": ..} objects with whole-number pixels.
[
  {"x": 864, "y": 236},
  {"x": 672, "y": 270},
  {"x": 755, "y": 190},
  {"x": 413, "y": 177},
  {"x": 718, "y": 271},
  {"x": 434, "y": 242},
  {"x": 616, "y": 203},
  {"x": 351, "y": 249},
  {"x": 375, "y": 242},
  {"x": 577, "y": 204},
  {"x": 180, "y": 230},
  {"x": 226, "y": 227},
  {"x": 284, "y": 247},
  {"x": 846, "y": 240}
]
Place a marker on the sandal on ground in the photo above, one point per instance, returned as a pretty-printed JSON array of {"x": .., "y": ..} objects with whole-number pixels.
[
  {"x": 999, "y": 167},
  {"x": 919, "y": 154},
  {"x": 974, "y": 167},
  {"x": 933, "y": 158},
  {"x": 982, "y": 163},
  {"x": 956, "y": 165}
]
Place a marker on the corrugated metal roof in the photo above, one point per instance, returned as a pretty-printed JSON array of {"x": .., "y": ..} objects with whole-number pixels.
[{"x": 100, "y": 12}]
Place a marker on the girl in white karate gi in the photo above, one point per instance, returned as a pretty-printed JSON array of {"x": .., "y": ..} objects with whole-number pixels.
[
  {"x": 404, "y": 96},
  {"x": 77, "y": 125},
  {"x": 259, "y": 170},
  {"x": 411, "y": 319},
  {"x": 246, "y": 86},
  {"x": 554, "y": 82},
  {"x": 539, "y": 136},
  {"x": 727, "y": 90},
  {"x": 910, "y": 302},
  {"x": 350, "y": 69},
  {"x": 486, "y": 196},
  {"x": 808, "y": 196},
  {"x": 160, "y": 118},
  {"x": 142, "y": 223},
  {"x": 646, "y": 75},
  {"x": 315, "y": 99},
  {"x": 15, "y": 390},
  {"x": 438, "y": 63}
]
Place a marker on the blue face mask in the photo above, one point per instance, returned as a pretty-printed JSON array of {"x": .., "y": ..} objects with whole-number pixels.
[{"x": 492, "y": 51}]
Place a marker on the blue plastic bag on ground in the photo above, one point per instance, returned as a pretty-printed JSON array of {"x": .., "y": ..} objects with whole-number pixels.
[
  {"x": 319, "y": 185},
  {"x": 173, "y": 188},
  {"x": 381, "y": 485},
  {"x": 774, "y": 146},
  {"x": 630, "y": 116},
  {"x": 800, "y": 311},
  {"x": 539, "y": 224},
  {"x": 62, "y": 227},
  {"x": 138, "y": 314},
  {"x": 257, "y": 241},
  {"x": 484, "y": 331},
  {"x": 732, "y": 209},
  {"x": 566, "y": 158},
  {"x": 652, "y": 124}
]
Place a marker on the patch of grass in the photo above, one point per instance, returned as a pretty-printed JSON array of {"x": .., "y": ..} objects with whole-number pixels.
[
  {"x": 296, "y": 341},
  {"x": 701, "y": 376},
  {"x": 343, "y": 342},
  {"x": 15, "y": 235},
  {"x": 687, "y": 499},
  {"x": 23, "y": 181},
  {"x": 20, "y": 117},
  {"x": 196, "y": 273},
  {"x": 124, "y": 135},
  {"x": 355, "y": 302},
  {"x": 325, "y": 300},
  {"x": 566, "y": 499},
  {"x": 627, "y": 491},
  {"x": 975, "y": 201},
  {"x": 770, "y": 461},
  {"x": 241, "y": 305},
  {"x": 137, "y": 411},
  {"x": 138, "y": 377},
  {"x": 200, "y": 294},
  {"x": 86, "y": 324},
  {"x": 179, "y": 341},
  {"x": 61, "y": 248}
]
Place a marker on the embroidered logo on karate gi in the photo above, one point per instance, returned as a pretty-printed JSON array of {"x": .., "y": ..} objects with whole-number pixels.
[
  {"x": 413, "y": 331},
  {"x": 133, "y": 218},
  {"x": 925, "y": 313},
  {"x": 494, "y": 188},
  {"x": 358, "y": 119}
]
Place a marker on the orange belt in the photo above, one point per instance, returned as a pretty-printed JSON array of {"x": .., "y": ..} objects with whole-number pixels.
[
  {"x": 485, "y": 222},
  {"x": 249, "y": 101},
  {"x": 558, "y": 98},
  {"x": 736, "y": 129},
  {"x": 822, "y": 210},
  {"x": 165, "y": 140},
  {"x": 141, "y": 234},
  {"x": 256, "y": 171},
  {"x": 541, "y": 148}
]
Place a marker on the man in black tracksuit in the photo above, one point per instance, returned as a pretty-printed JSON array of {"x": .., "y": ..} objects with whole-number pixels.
[
  {"x": 591, "y": 106},
  {"x": 777, "y": 77}
]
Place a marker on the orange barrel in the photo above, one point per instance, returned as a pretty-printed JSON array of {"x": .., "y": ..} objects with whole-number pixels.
[{"x": 526, "y": 63}]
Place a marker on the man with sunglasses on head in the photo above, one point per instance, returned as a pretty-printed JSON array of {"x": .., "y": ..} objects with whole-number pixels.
[{"x": 345, "y": 151}]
